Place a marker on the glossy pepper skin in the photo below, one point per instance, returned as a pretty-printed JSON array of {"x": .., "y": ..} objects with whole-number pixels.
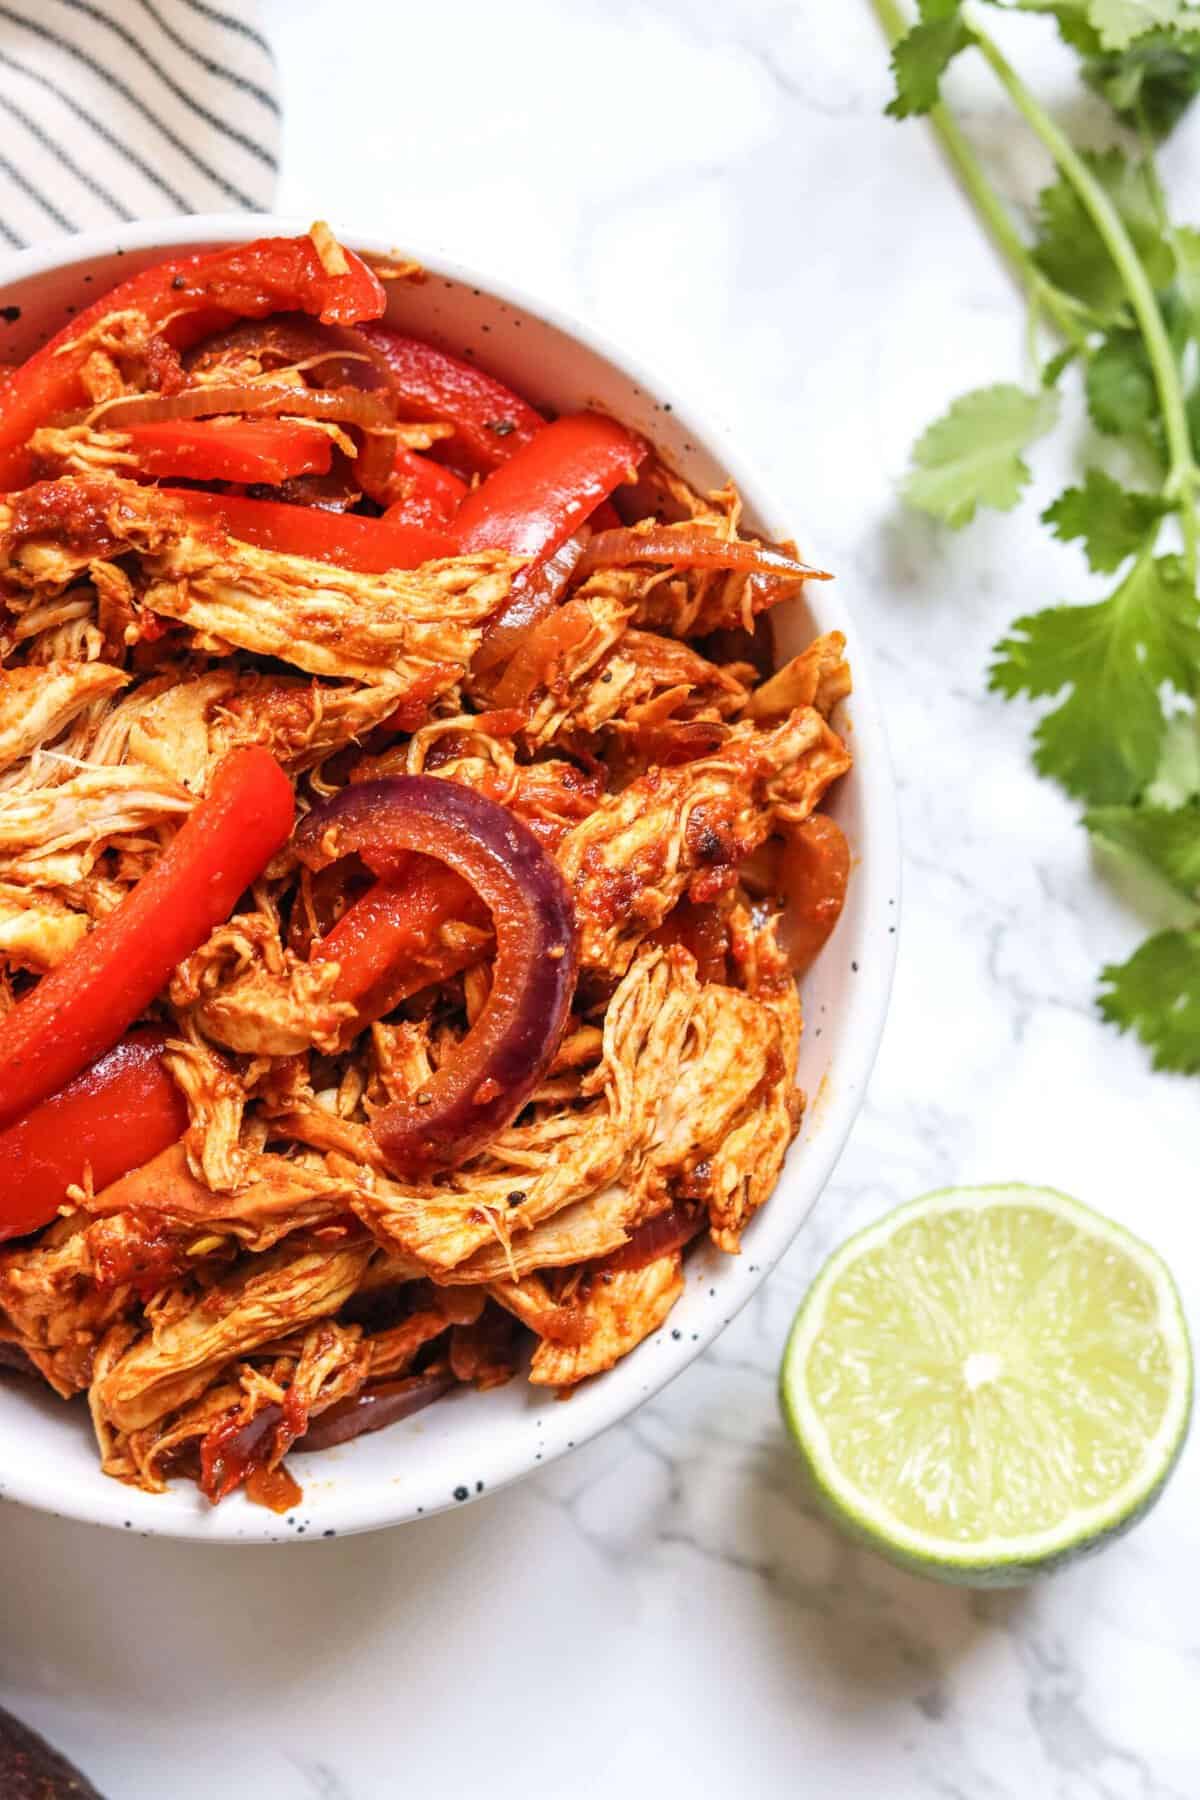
[
  {"x": 183, "y": 299},
  {"x": 389, "y": 944},
  {"x": 369, "y": 546},
  {"x": 111, "y": 1118},
  {"x": 432, "y": 494},
  {"x": 545, "y": 491},
  {"x": 244, "y": 450},
  {"x": 490, "y": 422},
  {"x": 81, "y": 1008}
]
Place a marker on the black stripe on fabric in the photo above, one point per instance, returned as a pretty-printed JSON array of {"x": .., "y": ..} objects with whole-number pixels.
[
  {"x": 10, "y": 237},
  {"x": 230, "y": 24},
  {"x": 139, "y": 106},
  {"x": 102, "y": 131},
  {"x": 68, "y": 162},
  {"x": 208, "y": 63},
  {"x": 172, "y": 86},
  {"x": 20, "y": 180}
]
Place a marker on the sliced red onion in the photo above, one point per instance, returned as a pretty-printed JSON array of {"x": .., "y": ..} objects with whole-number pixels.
[
  {"x": 344, "y": 405},
  {"x": 535, "y": 592},
  {"x": 497, "y": 1066},
  {"x": 667, "y": 1231},
  {"x": 374, "y": 1408},
  {"x": 291, "y": 339},
  {"x": 690, "y": 548}
]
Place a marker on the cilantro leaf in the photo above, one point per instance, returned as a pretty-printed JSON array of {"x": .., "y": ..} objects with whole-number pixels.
[
  {"x": 921, "y": 58},
  {"x": 1177, "y": 777},
  {"x": 1112, "y": 521},
  {"x": 1168, "y": 839},
  {"x": 971, "y": 456},
  {"x": 1154, "y": 81},
  {"x": 1057, "y": 364},
  {"x": 1118, "y": 23},
  {"x": 1070, "y": 251},
  {"x": 1187, "y": 268},
  {"x": 1157, "y": 995},
  {"x": 1102, "y": 742},
  {"x": 1119, "y": 383},
  {"x": 1071, "y": 17}
]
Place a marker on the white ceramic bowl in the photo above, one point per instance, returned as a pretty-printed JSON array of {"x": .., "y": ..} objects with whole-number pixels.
[{"x": 471, "y": 1443}]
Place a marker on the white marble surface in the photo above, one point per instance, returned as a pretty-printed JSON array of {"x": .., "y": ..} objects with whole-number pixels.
[{"x": 663, "y": 1614}]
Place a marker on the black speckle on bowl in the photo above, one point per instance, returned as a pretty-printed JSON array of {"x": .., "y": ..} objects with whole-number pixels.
[{"x": 462, "y": 1493}]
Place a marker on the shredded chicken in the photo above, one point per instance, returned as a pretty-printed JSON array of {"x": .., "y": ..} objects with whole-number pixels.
[
  {"x": 37, "y": 930},
  {"x": 53, "y": 835},
  {"x": 249, "y": 1284},
  {"x": 622, "y": 1307},
  {"x": 242, "y": 989},
  {"x": 187, "y": 1343},
  {"x": 686, "y": 830},
  {"x": 37, "y": 704}
]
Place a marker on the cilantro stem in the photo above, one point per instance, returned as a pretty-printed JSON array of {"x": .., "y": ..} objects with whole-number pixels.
[
  {"x": 1043, "y": 298},
  {"x": 1182, "y": 474}
]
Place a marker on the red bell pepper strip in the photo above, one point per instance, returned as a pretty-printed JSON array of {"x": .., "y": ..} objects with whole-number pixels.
[
  {"x": 389, "y": 943},
  {"x": 433, "y": 494},
  {"x": 370, "y": 546},
  {"x": 81, "y": 1008},
  {"x": 183, "y": 299},
  {"x": 267, "y": 275},
  {"x": 546, "y": 490},
  {"x": 479, "y": 1089},
  {"x": 267, "y": 450},
  {"x": 490, "y": 422},
  {"x": 112, "y": 1118}
]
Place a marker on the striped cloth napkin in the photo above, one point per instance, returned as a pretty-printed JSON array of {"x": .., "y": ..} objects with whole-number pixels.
[{"x": 129, "y": 109}]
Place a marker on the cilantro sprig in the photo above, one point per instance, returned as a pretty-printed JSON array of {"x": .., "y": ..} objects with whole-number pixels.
[{"x": 1115, "y": 281}]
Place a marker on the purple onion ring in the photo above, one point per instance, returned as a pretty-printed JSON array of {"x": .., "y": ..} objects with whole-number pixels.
[
  {"x": 373, "y": 1408},
  {"x": 479, "y": 1090}
]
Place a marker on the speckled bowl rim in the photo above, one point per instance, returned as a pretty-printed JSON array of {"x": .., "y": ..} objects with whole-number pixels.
[{"x": 609, "y": 1398}]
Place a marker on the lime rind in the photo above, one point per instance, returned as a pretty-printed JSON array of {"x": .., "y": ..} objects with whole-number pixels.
[{"x": 996, "y": 1560}]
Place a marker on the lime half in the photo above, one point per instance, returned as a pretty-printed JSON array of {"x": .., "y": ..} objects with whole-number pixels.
[{"x": 988, "y": 1382}]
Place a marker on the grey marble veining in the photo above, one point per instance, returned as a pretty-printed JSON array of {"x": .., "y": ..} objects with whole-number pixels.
[{"x": 666, "y": 1612}]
